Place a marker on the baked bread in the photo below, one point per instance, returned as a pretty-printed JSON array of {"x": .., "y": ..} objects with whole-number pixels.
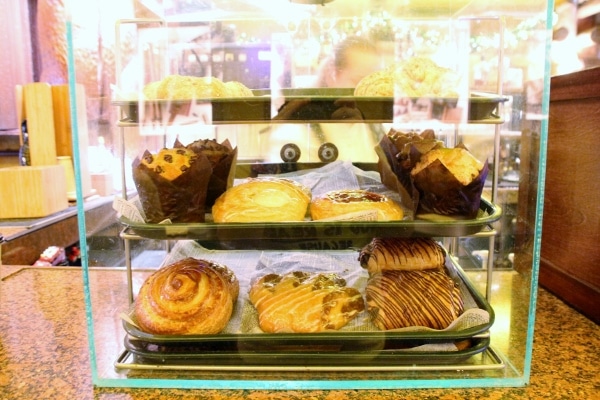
[
  {"x": 376, "y": 84},
  {"x": 237, "y": 89},
  {"x": 150, "y": 90},
  {"x": 414, "y": 77},
  {"x": 302, "y": 302},
  {"x": 400, "y": 299},
  {"x": 172, "y": 185},
  {"x": 183, "y": 87},
  {"x": 263, "y": 200},
  {"x": 422, "y": 77},
  {"x": 411, "y": 145},
  {"x": 190, "y": 296},
  {"x": 340, "y": 202},
  {"x": 407, "y": 254}
]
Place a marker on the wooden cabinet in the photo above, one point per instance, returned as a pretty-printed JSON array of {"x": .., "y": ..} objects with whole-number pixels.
[{"x": 570, "y": 253}]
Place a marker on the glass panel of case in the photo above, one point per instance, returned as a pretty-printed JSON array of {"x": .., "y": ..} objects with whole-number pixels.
[{"x": 298, "y": 119}]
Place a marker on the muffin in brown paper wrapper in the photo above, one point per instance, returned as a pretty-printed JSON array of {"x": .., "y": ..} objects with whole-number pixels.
[
  {"x": 223, "y": 160},
  {"x": 434, "y": 189},
  {"x": 178, "y": 197},
  {"x": 410, "y": 147},
  {"x": 441, "y": 192},
  {"x": 398, "y": 153}
]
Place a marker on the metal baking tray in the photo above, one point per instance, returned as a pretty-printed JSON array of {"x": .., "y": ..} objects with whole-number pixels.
[
  {"x": 312, "y": 235},
  {"x": 343, "y": 348},
  {"x": 215, "y": 110},
  {"x": 308, "y": 104},
  {"x": 238, "y": 354},
  {"x": 349, "y": 338},
  {"x": 484, "y": 106}
]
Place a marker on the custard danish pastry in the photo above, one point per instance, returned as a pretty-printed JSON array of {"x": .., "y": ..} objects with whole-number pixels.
[{"x": 263, "y": 200}]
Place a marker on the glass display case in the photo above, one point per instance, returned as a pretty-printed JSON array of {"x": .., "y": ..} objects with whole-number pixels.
[{"x": 188, "y": 100}]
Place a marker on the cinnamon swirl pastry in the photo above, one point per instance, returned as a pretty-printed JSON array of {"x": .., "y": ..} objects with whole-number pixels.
[
  {"x": 399, "y": 299},
  {"x": 190, "y": 296},
  {"x": 401, "y": 254},
  {"x": 302, "y": 302}
]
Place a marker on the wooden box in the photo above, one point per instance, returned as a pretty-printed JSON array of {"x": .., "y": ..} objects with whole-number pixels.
[{"x": 32, "y": 192}]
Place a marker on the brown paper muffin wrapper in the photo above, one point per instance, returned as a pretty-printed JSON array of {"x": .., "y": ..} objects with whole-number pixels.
[
  {"x": 223, "y": 159},
  {"x": 398, "y": 154},
  {"x": 441, "y": 193},
  {"x": 394, "y": 177},
  {"x": 434, "y": 189},
  {"x": 180, "y": 200}
]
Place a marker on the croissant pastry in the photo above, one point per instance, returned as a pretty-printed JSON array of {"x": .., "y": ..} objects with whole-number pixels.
[
  {"x": 190, "y": 296},
  {"x": 302, "y": 302}
]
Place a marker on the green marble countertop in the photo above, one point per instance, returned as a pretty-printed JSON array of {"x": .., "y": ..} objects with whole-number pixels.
[{"x": 44, "y": 351}]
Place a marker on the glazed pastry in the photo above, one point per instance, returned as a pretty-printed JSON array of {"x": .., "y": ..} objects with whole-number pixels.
[
  {"x": 302, "y": 302},
  {"x": 190, "y": 296},
  {"x": 263, "y": 200},
  {"x": 341, "y": 202},
  {"x": 383, "y": 254},
  {"x": 400, "y": 299}
]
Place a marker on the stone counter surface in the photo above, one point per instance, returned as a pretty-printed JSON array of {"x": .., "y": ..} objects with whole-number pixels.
[{"x": 44, "y": 351}]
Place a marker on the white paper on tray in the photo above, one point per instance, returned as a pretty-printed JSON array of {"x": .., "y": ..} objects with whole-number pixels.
[
  {"x": 130, "y": 209},
  {"x": 337, "y": 175}
]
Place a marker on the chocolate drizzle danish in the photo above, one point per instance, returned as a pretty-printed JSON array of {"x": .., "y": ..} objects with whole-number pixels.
[
  {"x": 401, "y": 254},
  {"x": 399, "y": 299}
]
